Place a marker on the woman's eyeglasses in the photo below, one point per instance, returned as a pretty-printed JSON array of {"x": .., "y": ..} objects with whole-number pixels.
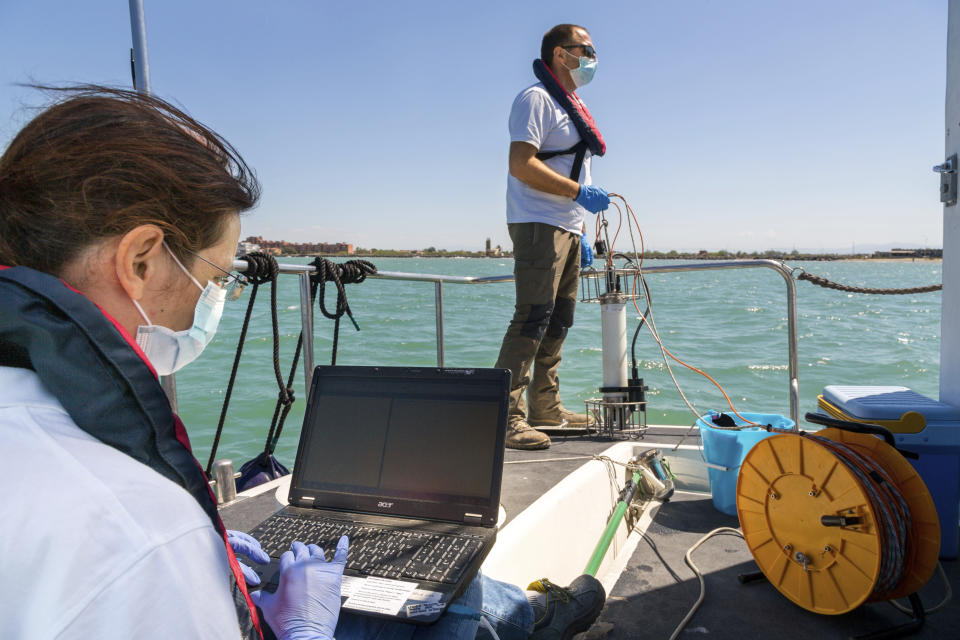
[{"x": 233, "y": 283}]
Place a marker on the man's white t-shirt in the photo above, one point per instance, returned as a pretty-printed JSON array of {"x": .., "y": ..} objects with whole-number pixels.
[
  {"x": 94, "y": 544},
  {"x": 538, "y": 119}
]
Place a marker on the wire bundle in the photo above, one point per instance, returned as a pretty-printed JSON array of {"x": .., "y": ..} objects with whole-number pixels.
[
  {"x": 646, "y": 317},
  {"x": 891, "y": 513}
]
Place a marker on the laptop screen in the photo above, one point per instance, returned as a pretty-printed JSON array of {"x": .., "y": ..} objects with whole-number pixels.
[{"x": 426, "y": 442}]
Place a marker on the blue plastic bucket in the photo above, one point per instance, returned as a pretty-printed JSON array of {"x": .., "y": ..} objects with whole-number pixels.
[{"x": 727, "y": 448}]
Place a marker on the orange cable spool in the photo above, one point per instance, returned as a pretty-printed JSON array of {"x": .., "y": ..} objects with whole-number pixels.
[{"x": 789, "y": 483}]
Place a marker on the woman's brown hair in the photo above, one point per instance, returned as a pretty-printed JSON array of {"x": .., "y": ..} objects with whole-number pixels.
[{"x": 102, "y": 161}]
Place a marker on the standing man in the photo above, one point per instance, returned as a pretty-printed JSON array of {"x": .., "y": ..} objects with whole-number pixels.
[{"x": 549, "y": 191}]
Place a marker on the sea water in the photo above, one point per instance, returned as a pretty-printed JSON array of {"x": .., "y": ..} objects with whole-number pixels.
[{"x": 732, "y": 324}]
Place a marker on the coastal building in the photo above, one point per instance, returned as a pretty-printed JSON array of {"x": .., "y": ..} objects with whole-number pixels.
[
  {"x": 491, "y": 251},
  {"x": 247, "y": 247},
  {"x": 284, "y": 247}
]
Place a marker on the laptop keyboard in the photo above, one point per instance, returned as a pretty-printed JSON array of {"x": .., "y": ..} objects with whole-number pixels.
[{"x": 375, "y": 550}]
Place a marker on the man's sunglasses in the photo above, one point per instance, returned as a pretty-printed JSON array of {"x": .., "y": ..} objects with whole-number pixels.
[{"x": 588, "y": 50}]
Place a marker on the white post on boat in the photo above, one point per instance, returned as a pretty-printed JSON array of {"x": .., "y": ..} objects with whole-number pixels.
[
  {"x": 613, "y": 324},
  {"x": 141, "y": 66},
  {"x": 950, "y": 313}
]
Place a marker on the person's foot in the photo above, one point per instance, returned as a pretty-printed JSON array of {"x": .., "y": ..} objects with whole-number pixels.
[
  {"x": 567, "y": 611},
  {"x": 521, "y": 435},
  {"x": 562, "y": 418}
]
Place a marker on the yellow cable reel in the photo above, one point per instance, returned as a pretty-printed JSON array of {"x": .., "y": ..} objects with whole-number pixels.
[{"x": 810, "y": 524}]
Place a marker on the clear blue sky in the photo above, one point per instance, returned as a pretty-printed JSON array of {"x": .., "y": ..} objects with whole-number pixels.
[{"x": 729, "y": 125}]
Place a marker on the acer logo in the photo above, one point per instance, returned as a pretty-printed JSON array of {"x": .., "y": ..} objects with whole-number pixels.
[{"x": 385, "y": 505}]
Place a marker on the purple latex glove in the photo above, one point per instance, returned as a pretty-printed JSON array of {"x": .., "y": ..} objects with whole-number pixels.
[
  {"x": 592, "y": 198},
  {"x": 306, "y": 604},
  {"x": 247, "y": 546}
]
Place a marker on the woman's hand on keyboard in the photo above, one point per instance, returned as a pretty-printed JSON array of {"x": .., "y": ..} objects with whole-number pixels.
[
  {"x": 246, "y": 545},
  {"x": 306, "y": 604}
]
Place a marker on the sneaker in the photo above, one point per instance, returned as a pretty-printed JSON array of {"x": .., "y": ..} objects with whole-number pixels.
[
  {"x": 521, "y": 435},
  {"x": 568, "y": 610},
  {"x": 563, "y": 418}
]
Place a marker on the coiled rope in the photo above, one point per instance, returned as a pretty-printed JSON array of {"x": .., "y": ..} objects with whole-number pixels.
[
  {"x": 261, "y": 269},
  {"x": 829, "y": 284},
  {"x": 349, "y": 272}
]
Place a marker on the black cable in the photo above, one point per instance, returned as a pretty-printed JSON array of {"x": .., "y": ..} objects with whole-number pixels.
[
  {"x": 857, "y": 427},
  {"x": 643, "y": 319},
  {"x": 663, "y": 561}
]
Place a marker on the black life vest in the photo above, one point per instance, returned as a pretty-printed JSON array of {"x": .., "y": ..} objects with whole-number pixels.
[
  {"x": 103, "y": 380},
  {"x": 590, "y": 137}
]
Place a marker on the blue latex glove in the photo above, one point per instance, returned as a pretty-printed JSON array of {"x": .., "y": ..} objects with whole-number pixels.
[
  {"x": 306, "y": 604},
  {"x": 248, "y": 546},
  {"x": 586, "y": 252},
  {"x": 592, "y": 198}
]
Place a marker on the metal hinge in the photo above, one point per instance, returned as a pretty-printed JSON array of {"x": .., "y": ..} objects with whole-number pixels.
[
  {"x": 473, "y": 518},
  {"x": 948, "y": 180}
]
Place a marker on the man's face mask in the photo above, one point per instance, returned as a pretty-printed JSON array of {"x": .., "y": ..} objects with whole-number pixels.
[
  {"x": 583, "y": 73},
  {"x": 169, "y": 350}
]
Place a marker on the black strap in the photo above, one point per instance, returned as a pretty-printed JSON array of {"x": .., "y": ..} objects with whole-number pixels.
[
  {"x": 580, "y": 151},
  {"x": 579, "y": 115}
]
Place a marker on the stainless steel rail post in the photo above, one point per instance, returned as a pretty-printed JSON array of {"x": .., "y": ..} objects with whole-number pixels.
[
  {"x": 306, "y": 328},
  {"x": 439, "y": 296}
]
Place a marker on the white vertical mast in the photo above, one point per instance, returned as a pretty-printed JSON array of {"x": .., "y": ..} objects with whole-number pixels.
[{"x": 950, "y": 315}]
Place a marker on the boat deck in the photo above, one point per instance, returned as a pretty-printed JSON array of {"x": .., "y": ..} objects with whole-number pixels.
[
  {"x": 656, "y": 589},
  {"x": 527, "y": 475}
]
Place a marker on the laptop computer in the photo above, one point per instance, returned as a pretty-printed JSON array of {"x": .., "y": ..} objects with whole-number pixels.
[{"x": 408, "y": 463}]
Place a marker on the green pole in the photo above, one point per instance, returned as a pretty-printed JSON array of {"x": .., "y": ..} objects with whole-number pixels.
[{"x": 629, "y": 489}]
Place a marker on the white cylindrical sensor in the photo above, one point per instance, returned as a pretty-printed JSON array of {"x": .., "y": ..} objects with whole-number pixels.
[{"x": 613, "y": 320}]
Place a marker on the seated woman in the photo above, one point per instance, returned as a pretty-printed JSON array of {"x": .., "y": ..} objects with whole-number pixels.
[{"x": 119, "y": 220}]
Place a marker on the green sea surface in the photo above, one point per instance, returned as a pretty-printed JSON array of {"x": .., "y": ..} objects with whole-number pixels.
[{"x": 732, "y": 324}]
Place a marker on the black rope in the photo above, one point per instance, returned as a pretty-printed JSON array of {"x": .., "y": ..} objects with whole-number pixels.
[
  {"x": 261, "y": 268},
  {"x": 829, "y": 284},
  {"x": 349, "y": 272},
  {"x": 285, "y": 397},
  {"x": 352, "y": 271}
]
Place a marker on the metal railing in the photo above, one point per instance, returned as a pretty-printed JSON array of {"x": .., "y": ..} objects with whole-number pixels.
[{"x": 306, "y": 309}]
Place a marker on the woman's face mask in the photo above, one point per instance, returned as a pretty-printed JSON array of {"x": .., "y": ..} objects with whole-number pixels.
[{"x": 169, "y": 350}]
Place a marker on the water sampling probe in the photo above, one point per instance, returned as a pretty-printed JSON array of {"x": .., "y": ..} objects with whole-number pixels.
[{"x": 621, "y": 409}]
